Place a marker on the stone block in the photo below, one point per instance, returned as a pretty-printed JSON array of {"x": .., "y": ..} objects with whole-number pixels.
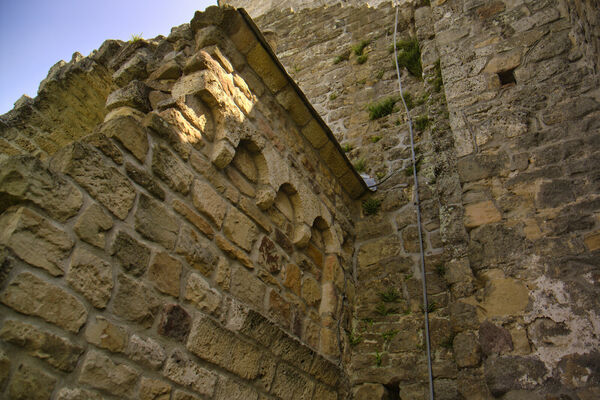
[
  {"x": 506, "y": 373},
  {"x": 169, "y": 70},
  {"x": 494, "y": 340},
  {"x": 503, "y": 62},
  {"x": 175, "y": 323},
  {"x": 251, "y": 210},
  {"x": 240, "y": 229},
  {"x": 228, "y": 389},
  {"x": 334, "y": 159},
  {"x": 240, "y": 182},
  {"x": 197, "y": 250},
  {"x": 133, "y": 255},
  {"x": 290, "y": 384},
  {"x": 103, "y": 333},
  {"x": 155, "y": 222},
  {"x": 293, "y": 278},
  {"x": 201, "y": 295},
  {"x": 102, "y": 373},
  {"x": 247, "y": 287},
  {"x": 302, "y": 235},
  {"x": 77, "y": 394},
  {"x": 92, "y": 224},
  {"x": 234, "y": 252},
  {"x": 55, "y": 350},
  {"x": 130, "y": 133},
  {"x": 35, "y": 239},
  {"x": 370, "y": 391},
  {"x": 505, "y": 296},
  {"x": 91, "y": 276},
  {"x": 25, "y": 178},
  {"x": 289, "y": 100},
  {"x": 197, "y": 220},
  {"x": 147, "y": 352},
  {"x": 102, "y": 181},
  {"x": 165, "y": 273},
  {"x": 467, "y": 351},
  {"x": 182, "y": 370},
  {"x": 30, "y": 295},
  {"x": 154, "y": 389},
  {"x": 269, "y": 257},
  {"x": 481, "y": 213},
  {"x": 592, "y": 241},
  {"x": 145, "y": 180},
  {"x": 208, "y": 202},
  {"x": 264, "y": 66},
  {"x": 134, "y": 95},
  {"x": 180, "y": 395},
  {"x": 4, "y": 367},
  {"x": 30, "y": 383},
  {"x": 171, "y": 170},
  {"x": 222, "y": 154},
  {"x": 279, "y": 309},
  {"x": 134, "y": 301}
]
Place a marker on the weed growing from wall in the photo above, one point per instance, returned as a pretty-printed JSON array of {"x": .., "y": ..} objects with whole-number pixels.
[
  {"x": 371, "y": 206},
  {"x": 409, "y": 56},
  {"x": 381, "y": 108}
]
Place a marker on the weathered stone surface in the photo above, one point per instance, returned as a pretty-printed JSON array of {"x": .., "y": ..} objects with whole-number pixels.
[
  {"x": 146, "y": 351},
  {"x": 30, "y": 383},
  {"x": 103, "y": 333},
  {"x": 144, "y": 179},
  {"x": 505, "y": 296},
  {"x": 175, "y": 323},
  {"x": 101, "y": 372},
  {"x": 240, "y": 229},
  {"x": 184, "y": 371},
  {"x": 4, "y": 367},
  {"x": 592, "y": 241},
  {"x": 293, "y": 278},
  {"x": 180, "y": 395},
  {"x": 197, "y": 250},
  {"x": 30, "y": 295},
  {"x": 261, "y": 62},
  {"x": 170, "y": 169},
  {"x": 289, "y": 384},
  {"x": 207, "y": 201},
  {"x": 25, "y": 178},
  {"x": 165, "y": 272},
  {"x": 92, "y": 224},
  {"x": 311, "y": 291},
  {"x": 201, "y": 295},
  {"x": 197, "y": 220},
  {"x": 133, "y": 255},
  {"x": 154, "y": 389},
  {"x": 494, "y": 339},
  {"x": 228, "y": 389},
  {"x": 155, "y": 222},
  {"x": 77, "y": 394},
  {"x": 247, "y": 287},
  {"x": 467, "y": 351},
  {"x": 481, "y": 213},
  {"x": 512, "y": 373},
  {"x": 91, "y": 276},
  {"x": 370, "y": 391},
  {"x": 134, "y": 301},
  {"x": 95, "y": 175},
  {"x": 134, "y": 95},
  {"x": 35, "y": 240},
  {"x": 234, "y": 252},
  {"x": 269, "y": 257},
  {"x": 55, "y": 350},
  {"x": 130, "y": 133}
]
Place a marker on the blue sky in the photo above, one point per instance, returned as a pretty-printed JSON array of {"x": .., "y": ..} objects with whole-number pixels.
[{"x": 35, "y": 34}]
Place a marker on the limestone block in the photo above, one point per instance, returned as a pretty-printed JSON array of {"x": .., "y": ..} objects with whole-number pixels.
[
  {"x": 25, "y": 178},
  {"x": 165, "y": 273},
  {"x": 123, "y": 112},
  {"x": 240, "y": 229},
  {"x": 370, "y": 391},
  {"x": 467, "y": 351},
  {"x": 103, "y": 333},
  {"x": 134, "y": 95},
  {"x": 175, "y": 323},
  {"x": 325, "y": 371},
  {"x": 92, "y": 224},
  {"x": 334, "y": 159},
  {"x": 169, "y": 70},
  {"x": 504, "y": 296},
  {"x": 228, "y": 389},
  {"x": 201, "y": 295},
  {"x": 328, "y": 306},
  {"x": 154, "y": 389},
  {"x": 77, "y": 394},
  {"x": 197, "y": 220},
  {"x": 180, "y": 395},
  {"x": 105, "y": 183},
  {"x": 197, "y": 250},
  {"x": 302, "y": 235},
  {"x": 279, "y": 309},
  {"x": 268, "y": 256},
  {"x": 154, "y": 222},
  {"x": 289, "y": 100},
  {"x": 31, "y": 383},
  {"x": 133, "y": 68},
  {"x": 592, "y": 241},
  {"x": 234, "y": 252},
  {"x": 130, "y": 133},
  {"x": 512, "y": 372},
  {"x": 91, "y": 276},
  {"x": 134, "y": 301},
  {"x": 379, "y": 250},
  {"x": 311, "y": 291},
  {"x": 146, "y": 351},
  {"x": 494, "y": 340},
  {"x": 35, "y": 240},
  {"x": 315, "y": 134},
  {"x": 205, "y": 84},
  {"x": 481, "y": 213},
  {"x": 293, "y": 278},
  {"x": 222, "y": 154},
  {"x": 251, "y": 210},
  {"x": 184, "y": 371},
  {"x": 265, "y": 196},
  {"x": 30, "y": 295},
  {"x": 289, "y": 384},
  {"x": 185, "y": 131},
  {"x": 504, "y": 62},
  {"x": 4, "y": 367},
  {"x": 55, "y": 350},
  {"x": 247, "y": 287},
  {"x": 171, "y": 170},
  {"x": 262, "y": 63},
  {"x": 133, "y": 255},
  {"x": 208, "y": 201},
  {"x": 101, "y": 372}
]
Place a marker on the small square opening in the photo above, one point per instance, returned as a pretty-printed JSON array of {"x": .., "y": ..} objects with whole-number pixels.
[{"x": 507, "y": 77}]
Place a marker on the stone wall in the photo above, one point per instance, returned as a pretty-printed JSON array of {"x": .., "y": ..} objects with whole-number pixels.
[{"x": 196, "y": 244}]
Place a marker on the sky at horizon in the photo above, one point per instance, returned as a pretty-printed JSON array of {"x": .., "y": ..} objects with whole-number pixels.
[{"x": 35, "y": 34}]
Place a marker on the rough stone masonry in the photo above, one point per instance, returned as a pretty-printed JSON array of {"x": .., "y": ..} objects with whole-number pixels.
[{"x": 178, "y": 221}]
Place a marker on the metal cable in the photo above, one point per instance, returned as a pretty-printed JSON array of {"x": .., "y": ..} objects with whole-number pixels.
[{"x": 417, "y": 205}]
